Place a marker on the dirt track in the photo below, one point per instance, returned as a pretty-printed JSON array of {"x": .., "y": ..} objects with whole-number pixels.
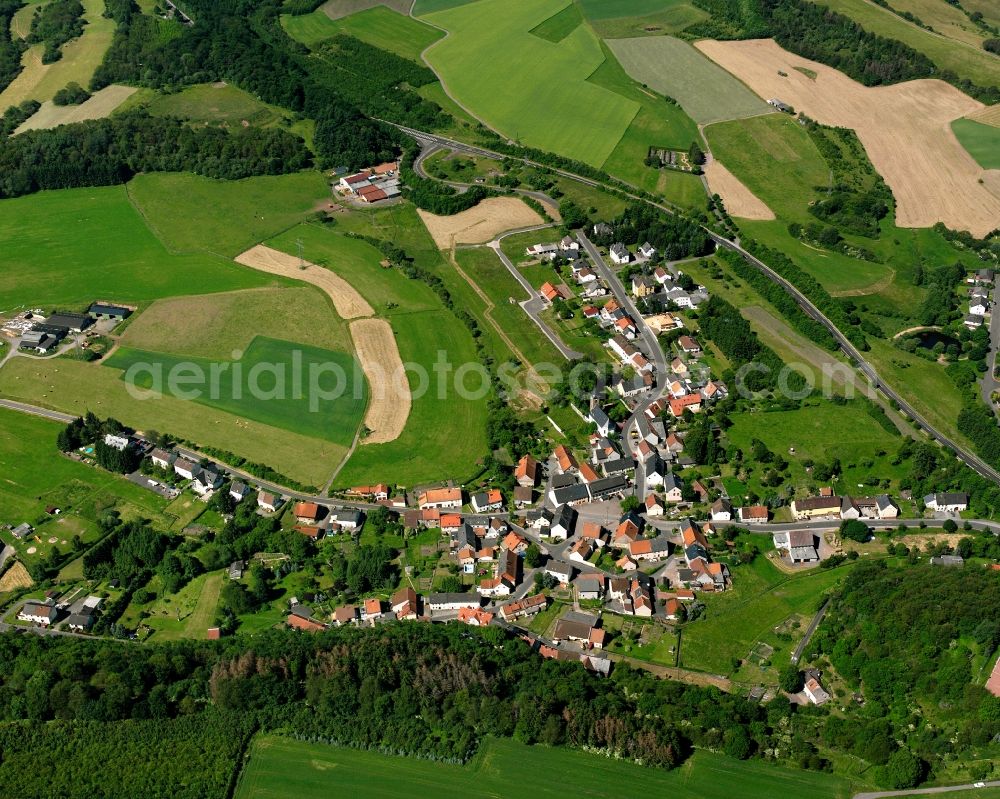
[
  {"x": 739, "y": 200},
  {"x": 905, "y": 128},
  {"x": 389, "y": 404},
  {"x": 374, "y": 342},
  {"x": 348, "y": 302},
  {"x": 481, "y": 223}
]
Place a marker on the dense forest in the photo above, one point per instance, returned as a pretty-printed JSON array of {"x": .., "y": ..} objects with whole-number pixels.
[
  {"x": 908, "y": 639},
  {"x": 433, "y": 690},
  {"x": 109, "y": 151},
  {"x": 11, "y": 47},
  {"x": 814, "y": 31}
]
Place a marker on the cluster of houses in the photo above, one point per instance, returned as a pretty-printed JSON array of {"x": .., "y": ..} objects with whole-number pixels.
[
  {"x": 830, "y": 506},
  {"x": 42, "y": 334},
  {"x": 579, "y": 267},
  {"x": 372, "y": 185},
  {"x": 203, "y": 478},
  {"x": 77, "y": 616},
  {"x": 979, "y": 297},
  {"x": 660, "y": 291}
]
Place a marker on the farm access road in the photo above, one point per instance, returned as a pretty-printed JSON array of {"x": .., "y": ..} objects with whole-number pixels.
[{"x": 963, "y": 454}]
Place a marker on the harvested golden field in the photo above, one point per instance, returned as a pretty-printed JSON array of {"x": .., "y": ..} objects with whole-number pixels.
[
  {"x": 990, "y": 115},
  {"x": 346, "y": 299},
  {"x": 15, "y": 577},
  {"x": 905, "y": 128},
  {"x": 389, "y": 400},
  {"x": 739, "y": 200},
  {"x": 481, "y": 223},
  {"x": 100, "y": 105}
]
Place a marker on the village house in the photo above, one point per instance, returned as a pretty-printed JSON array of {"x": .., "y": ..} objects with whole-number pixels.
[
  {"x": 563, "y": 572},
  {"x": 346, "y": 519},
  {"x": 239, "y": 491},
  {"x": 523, "y": 608},
  {"x": 814, "y": 692},
  {"x": 452, "y": 601},
  {"x": 268, "y": 502},
  {"x": 753, "y": 514},
  {"x": 307, "y": 512},
  {"x": 649, "y": 549},
  {"x": 207, "y": 480},
  {"x": 619, "y": 254},
  {"x": 40, "y": 613},
  {"x": 721, "y": 510},
  {"x": 815, "y": 508},
  {"x": 574, "y": 626},
  {"x": 378, "y": 492},
  {"x": 486, "y": 501},
  {"x": 672, "y": 488},
  {"x": 589, "y": 586},
  {"x": 441, "y": 498},
  {"x": 565, "y": 461},
  {"x": 162, "y": 459},
  {"x": 523, "y": 496},
  {"x": 689, "y": 346},
  {"x": 800, "y": 545},
  {"x": 594, "y": 533},
  {"x": 947, "y": 503},
  {"x": 581, "y": 551},
  {"x": 689, "y": 402},
  {"x": 643, "y": 286},
  {"x": 563, "y": 522},
  {"x": 526, "y": 472},
  {"x": 546, "y": 252},
  {"x": 652, "y": 506},
  {"x": 405, "y": 603},
  {"x": 300, "y": 617},
  {"x": 371, "y": 610},
  {"x": 344, "y": 615},
  {"x": 647, "y": 251},
  {"x": 186, "y": 469}
]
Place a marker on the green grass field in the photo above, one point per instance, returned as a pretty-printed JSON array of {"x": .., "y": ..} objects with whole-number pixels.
[
  {"x": 613, "y": 9},
  {"x": 965, "y": 60},
  {"x": 280, "y": 766},
  {"x": 560, "y": 25},
  {"x": 775, "y": 159},
  {"x": 216, "y": 102},
  {"x": 67, "y": 248},
  {"x": 267, "y": 390},
  {"x": 761, "y": 599},
  {"x": 981, "y": 141},
  {"x": 379, "y": 26},
  {"x": 244, "y": 212},
  {"x": 944, "y": 18},
  {"x": 491, "y": 61},
  {"x": 186, "y": 614},
  {"x": 36, "y": 475},
  {"x": 657, "y": 123},
  {"x": 674, "y": 68},
  {"x": 820, "y": 432},
  {"x": 213, "y": 325},
  {"x": 73, "y": 386},
  {"x": 428, "y": 449}
]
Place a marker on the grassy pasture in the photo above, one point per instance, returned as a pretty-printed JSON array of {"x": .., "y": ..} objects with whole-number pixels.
[
  {"x": 422, "y": 8},
  {"x": 674, "y": 68},
  {"x": 275, "y": 403},
  {"x": 36, "y": 475},
  {"x": 428, "y": 449},
  {"x": 559, "y": 25},
  {"x": 981, "y": 141},
  {"x": 490, "y": 62},
  {"x": 101, "y": 104},
  {"x": 67, "y": 248},
  {"x": 286, "y": 767},
  {"x": 656, "y": 123},
  {"x": 216, "y": 102},
  {"x": 80, "y": 59},
  {"x": 964, "y": 60},
  {"x": 186, "y": 614},
  {"x": 988, "y": 8},
  {"x": 944, "y": 18},
  {"x": 672, "y": 16},
  {"x": 74, "y": 387},
  {"x": 379, "y": 26},
  {"x": 213, "y": 325},
  {"x": 190, "y": 213},
  {"x": 820, "y": 432},
  {"x": 761, "y": 598}
]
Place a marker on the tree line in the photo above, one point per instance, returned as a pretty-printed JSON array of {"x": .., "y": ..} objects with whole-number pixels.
[
  {"x": 55, "y": 24},
  {"x": 111, "y": 151}
]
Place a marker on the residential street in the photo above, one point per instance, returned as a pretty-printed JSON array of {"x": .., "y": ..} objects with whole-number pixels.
[
  {"x": 925, "y": 791},
  {"x": 534, "y": 305},
  {"x": 989, "y": 384},
  {"x": 650, "y": 348}
]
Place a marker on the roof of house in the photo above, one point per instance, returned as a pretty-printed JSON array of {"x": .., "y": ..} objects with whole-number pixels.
[
  {"x": 527, "y": 467},
  {"x": 307, "y": 510},
  {"x": 817, "y": 503},
  {"x": 435, "y": 495}
]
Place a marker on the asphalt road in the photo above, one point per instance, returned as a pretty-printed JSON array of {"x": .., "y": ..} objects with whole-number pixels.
[
  {"x": 862, "y": 365},
  {"x": 989, "y": 384},
  {"x": 534, "y": 305},
  {"x": 925, "y": 791},
  {"x": 650, "y": 347}
]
